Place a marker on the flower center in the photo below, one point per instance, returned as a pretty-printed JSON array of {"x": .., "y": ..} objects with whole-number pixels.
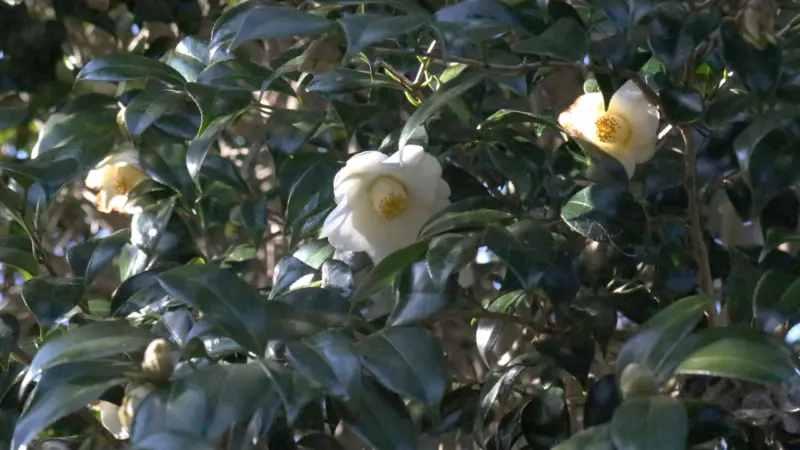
[
  {"x": 389, "y": 197},
  {"x": 126, "y": 179},
  {"x": 612, "y": 129}
]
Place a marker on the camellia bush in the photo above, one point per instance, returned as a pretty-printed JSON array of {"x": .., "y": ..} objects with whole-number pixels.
[{"x": 400, "y": 224}]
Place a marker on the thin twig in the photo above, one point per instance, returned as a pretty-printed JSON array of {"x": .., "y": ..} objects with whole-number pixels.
[
  {"x": 704, "y": 277},
  {"x": 474, "y": 62}
]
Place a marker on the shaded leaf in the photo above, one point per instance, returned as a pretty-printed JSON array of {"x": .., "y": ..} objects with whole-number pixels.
[
  {"x": 388, "y": 268},
  {"x": 329, "y": 358},
  {"x": 17, "y": 252},
  {"x": 650, "y": 423},
  {"x": 363, "y": 30},
  {"x": 49, "y": 298},
  {"x": 259, "y": 20},
  {"x": 88, "y": 259},
  {"x": 129, "y": 66}
]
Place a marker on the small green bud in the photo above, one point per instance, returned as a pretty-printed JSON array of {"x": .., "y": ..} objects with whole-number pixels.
[
  {"x": 590, "y": 86},
  {"x": 637, "y": 381},
  {"x": 158, "y": 363}
]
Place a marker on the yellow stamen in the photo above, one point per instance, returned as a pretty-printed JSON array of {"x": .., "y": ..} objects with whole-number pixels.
[
  {"x": 389, "y": 197},
  {"x": 612, "y": 129}
]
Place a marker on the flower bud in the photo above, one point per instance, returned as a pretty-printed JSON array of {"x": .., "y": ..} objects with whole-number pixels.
[
  {"x": 127, "y": 410},
  {"x": 637, "y": 381},
  {"x": 321, "y": 56},
  {"x": 756, "y": 22},
  {"x": 158, "y": 363}
]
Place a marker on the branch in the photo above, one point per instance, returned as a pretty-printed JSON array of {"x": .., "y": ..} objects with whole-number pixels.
[
  {"x": 474, "y": 62},
  {"x": 704, "y": 277}
]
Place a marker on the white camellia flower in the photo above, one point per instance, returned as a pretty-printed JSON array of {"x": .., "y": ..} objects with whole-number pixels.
[
  {"x": 627, "y": 131},
  {"x": 382, "y": 203},
  {"x": 115, "y": 177}
]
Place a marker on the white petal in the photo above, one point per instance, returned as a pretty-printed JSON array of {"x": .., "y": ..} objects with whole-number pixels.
[
  {"x": 628, "y": 162},
  {"x": 630, "y": 103},
  {"x": 94, "y": 179},
  {"x": 420, "y": 172},
  {"x": 579, "y": 119},
  {"x": 398, "y": 233},
  {"x": 359, "y": 168},
  {"x": 443, "y": 190},
  {"x": 342, "y": 230}
]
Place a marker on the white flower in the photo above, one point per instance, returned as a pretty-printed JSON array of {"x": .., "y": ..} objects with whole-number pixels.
[
  {"x": 115, "y": 177},
  {"x": 381, "y": 203},
  {"x": 627, "y": 131}
]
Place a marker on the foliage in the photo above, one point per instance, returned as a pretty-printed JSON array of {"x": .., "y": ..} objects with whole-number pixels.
[{"x": 592, "y": 310}]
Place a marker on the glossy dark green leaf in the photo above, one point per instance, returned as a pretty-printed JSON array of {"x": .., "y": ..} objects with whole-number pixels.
[
  {"x": 773, "y": 167},
  {"x": 381, "y": 418},
  {"x": 49, "y": 298},
  {"x": 11, "y": 116},
  {"x": 295, "y": 390},
  {"x": 452, "y": 221},
  {"x": 436, "y": 102},
  {"x": 707, "y": 421},
  {"x": 63, "y": 390},
  {"x": 241, "y": 75},
  {"x": 417, "y": 296},
  {"x": 330, "y": 358},
  {"x": 602, "y": 400},
  {"x": 90, "y": 342},
  {"x": 545, "y": 419},
  {"x": 407, "y": 360},
  {"x": 317, "y": 299},
  {"x": 605, "y": 213},
  {"x": 310, "y": 194},
  {"x": 260, "y": 20},
  {"x": 149, "y": 106},
  {"x": 342, "y": 80},
  {"x": 136, "y": 292},
  {"x": 215, "y": 103},
  {"x": 227, "y": 301},
  {"x": 667, "y": 41},
  {"x": 447, "y": 254},
  {"x": 168, "y": 440},
  {"x": 594, "y": 438},
  {"x": 650, "y": 423},
  {"x": 388, "y": 269},
  {"x": 489, "y": 331},
  {"x": 319, "y": 441},
  {"x": 200, "y": 146},
  {"x": 287, "y": 272},
  {"x": 129, "y": 66},
  {"x": 288, "y": 130},
  {"x": 9, "y": 333},
  {"x": 682, "y": 105},
  {"x": 363, "y": 30},
  {"x": 565, "y": 39},
  {"x": 336, "y": 274},
  {"x": 660, "y": 337},
  {"x": 758, "y": 69},
  {"x": 740, "y": 359},
  {"x": 747, "y": 140},
  {"x": 88, "y": 259},
  {"x": 16, "y": 251},
  {"x": 740, "y": 286},
  {"x": 205, "y": 402},
  {"x": 772, "y": 286}
]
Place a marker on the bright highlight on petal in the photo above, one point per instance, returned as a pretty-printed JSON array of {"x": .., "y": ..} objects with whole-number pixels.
[
  {"x": 383, "y": 201},
  {"x": 628, "y": 130},
  {"x": 114, "y": 180}
]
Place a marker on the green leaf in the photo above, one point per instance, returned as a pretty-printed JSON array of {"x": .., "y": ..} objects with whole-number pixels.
[
  {"x": 388, "y": 268},
  {"x": 169, "y": 440},
  {"x": 740, "y": 286},
  {"x": 258, "y": 20},
  {"x": 88, "y": 259},
  {"x": 441, "y": 98},
  {"x": 49, "y": 298},
  {"x": 63, "y": 390},
  {"x": 288, "y": 271},
  {"x": 149, "y": 106},
  {"x": 594, "y": 438},
  {"x": 129, "y": 66},
  {"x": 759, "y": 70},
  {"x": 407, "y": 360},
  {"x": 311, "y": 194},
  {"x": 775, "y": 237},
  {"x": 747, "y": 140},
  {"x": 295, "y": 390},
  {"x": 11, "y": 116},
  {"x": 363, "y": 30},
  {"x": 380, "y": 418},
  {"x": 650, "y": 423},
  {"x": 566, "y": 39},
  {"x": 459, "y": 220},
  {"x": 605, "y": 213},
  {"x": 16, "y": 251},
  {"x": 505, "y": 117},
  {"x": 447, "y": 254},
  {"x": 330, "y": 358},
  {"x": 740, "y": 359},
  {"x": 773, "y": 167},
  {"x": 215, "y": 103},
  {"x": 659, "y": 338},
  {"x": 319, "y": 441},
  {"x": 417, "y": 297},
  {"x": 682, "y": 105},
  {"x": 339, "y": 81},
  {"x": 769, "y": 291},
  {"x": 241, "y": 75},
  {"x": 9, "y": 333},
  {"x": 90, "y": 342},
  {"x": 206, "y": 402},
  {"x": 199, "y": 147},
  {"x": 227, "y": 301}
]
